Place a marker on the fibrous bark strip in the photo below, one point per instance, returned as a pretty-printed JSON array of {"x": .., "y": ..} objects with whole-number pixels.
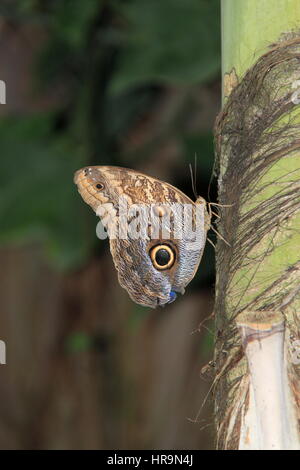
[{"x": 257, "y": 138}]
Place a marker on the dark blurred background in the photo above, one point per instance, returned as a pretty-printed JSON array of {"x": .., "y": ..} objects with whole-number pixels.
[{"x": 133, "y": 83}]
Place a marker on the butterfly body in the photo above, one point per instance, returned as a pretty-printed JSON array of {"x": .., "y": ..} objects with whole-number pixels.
[{"x": 151, "y": 268}]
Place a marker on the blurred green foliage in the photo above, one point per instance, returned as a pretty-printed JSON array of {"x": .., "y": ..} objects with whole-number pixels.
[
  {"x": 173, "y": 41},
  {"x": 111, "y": 58},
  {"x": 78, "y": 342},
  {"x": 37, "y": 196}
]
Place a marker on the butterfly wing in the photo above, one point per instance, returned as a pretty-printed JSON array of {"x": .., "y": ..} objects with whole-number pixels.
[{"x": 152, "y": 267}]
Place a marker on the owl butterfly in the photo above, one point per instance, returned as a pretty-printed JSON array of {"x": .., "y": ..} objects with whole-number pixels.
[{"x": 155, "y": 256}]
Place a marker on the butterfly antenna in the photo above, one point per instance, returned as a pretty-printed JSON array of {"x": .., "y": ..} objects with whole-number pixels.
[
  {"x": 193, "y": 181},
  {"x": 195, "y": 173},
  {"x": 209, "y": 186}
]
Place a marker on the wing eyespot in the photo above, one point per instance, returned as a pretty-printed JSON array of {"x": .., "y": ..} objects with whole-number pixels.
[{"x": 162, "y": 257}]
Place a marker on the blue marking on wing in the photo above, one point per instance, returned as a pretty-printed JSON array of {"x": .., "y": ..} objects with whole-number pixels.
[{"x": 173, "y": 296}]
